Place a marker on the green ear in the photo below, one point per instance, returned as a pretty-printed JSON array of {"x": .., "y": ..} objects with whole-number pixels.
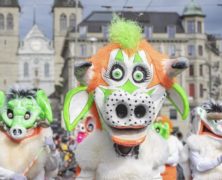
[
  {"x": 76, "y": 106},
  {"x": 43, "y": 102},
  {"x": 178, "y": 98},
  {"x": 2, "y": 99}
]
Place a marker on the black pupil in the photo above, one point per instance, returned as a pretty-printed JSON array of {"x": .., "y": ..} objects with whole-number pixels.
[
  {"x": 27, "y": 115},
  {"x": 158, "y": 129},
  {"x": 10, "y": 114},
  {"x": 143, "y": 70},
  {"x": 90, "y": 127},
  {"x": 121, "y": 111},
  {"x": 116, "y": 66},
  {"x": 140, "y": 111}
]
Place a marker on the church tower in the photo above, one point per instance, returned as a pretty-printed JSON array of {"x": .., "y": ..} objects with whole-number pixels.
[
  {"x": 66, "y": 16},
  {"x": 9, "y": 41}
]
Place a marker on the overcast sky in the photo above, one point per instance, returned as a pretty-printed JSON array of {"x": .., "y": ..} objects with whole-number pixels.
[{"x": 44, "y": 16}]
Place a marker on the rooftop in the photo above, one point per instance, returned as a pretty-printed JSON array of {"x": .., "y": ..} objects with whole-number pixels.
[
  {"x": 193, "y": 9},
  {"x": 97, "y": 19},
  {"x": 66, "y": 3},
  {"x": 9, "y": 3}
]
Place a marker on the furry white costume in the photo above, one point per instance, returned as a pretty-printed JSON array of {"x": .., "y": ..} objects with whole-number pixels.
[
  {"x": 206, "y": 157},
  {"x": 99, "y": 161},
  {"x": 175, "y": 150},
  {"x": 124, "y": 86},
  {"x": 204, "y": 143},
  {"x": 27, "y": 148}
]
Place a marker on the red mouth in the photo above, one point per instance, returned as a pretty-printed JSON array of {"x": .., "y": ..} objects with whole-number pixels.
[
  {"x": 128, "y": 136},
  {"x": 205, "y": 129}
]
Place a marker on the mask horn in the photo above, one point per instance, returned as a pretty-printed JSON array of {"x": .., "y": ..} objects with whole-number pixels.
[{"x": 80, "y": 71}]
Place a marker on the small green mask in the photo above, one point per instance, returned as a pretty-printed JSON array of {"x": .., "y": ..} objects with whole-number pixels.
[
  {"x": 24, "y": 110},
  {"x": 162, "y": 129}
]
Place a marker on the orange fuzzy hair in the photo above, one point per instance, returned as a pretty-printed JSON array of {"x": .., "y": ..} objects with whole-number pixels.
[
  {"x": 165, "y": 119},
  {"x": 101, "y": 59}
]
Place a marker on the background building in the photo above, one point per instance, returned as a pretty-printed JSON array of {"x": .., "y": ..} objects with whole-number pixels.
[
  {"x": 66, "y": 15},
  {"x": 9, "y": 40},
  {"x": 36, "y": 61}
]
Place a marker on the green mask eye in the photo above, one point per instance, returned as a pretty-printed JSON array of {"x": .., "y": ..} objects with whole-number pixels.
[
  {"x": 140, "y": 74},
  {"x": 117, "y": 72},
  {"x": 10, "y": 114},
  {"x": 27, "y": 116}
]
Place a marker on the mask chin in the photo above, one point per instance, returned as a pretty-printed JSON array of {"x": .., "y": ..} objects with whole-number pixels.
[{"x": 206, "y": 129}]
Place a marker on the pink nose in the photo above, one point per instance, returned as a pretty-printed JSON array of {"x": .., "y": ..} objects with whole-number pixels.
[{"x": 80, "y": 137}]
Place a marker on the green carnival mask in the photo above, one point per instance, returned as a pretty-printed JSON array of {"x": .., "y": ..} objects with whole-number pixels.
[
  {"x": 162, "y": 129},
  {"x": 22, "y": 110}
]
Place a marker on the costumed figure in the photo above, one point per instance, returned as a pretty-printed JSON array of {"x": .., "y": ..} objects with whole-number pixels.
[
  {"x": 27, "y": 149},
  {"x": 205, "y": 142},
  {"x": 84, "y": 128},
  {"x": 163, "y": 126},
  {"x": 123, "y": 87}
]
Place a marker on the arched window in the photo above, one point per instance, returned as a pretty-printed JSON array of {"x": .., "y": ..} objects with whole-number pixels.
[
  {"x": 63, "y": 22},
  {"x": 46, "y": 69},
  {"x": 2, "y": 22},
  {"x": 26, "y": 69},
  {"x": 10, "y": 22},
  {"x": 72, "y": 21}
]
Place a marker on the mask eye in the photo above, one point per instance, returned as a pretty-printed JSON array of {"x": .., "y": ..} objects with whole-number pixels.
[
  {"x": 117, "y": 72},
  {"x": 10, "y": 114},
  {"x": 27, "y": 116},
  {"x": 157, "y": 129},
  {"x": 90, "y": 125},
  {"x": 140, "y": 74}
]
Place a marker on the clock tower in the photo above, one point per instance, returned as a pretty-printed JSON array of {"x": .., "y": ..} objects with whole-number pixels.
[{"x": 36, "y": 61}]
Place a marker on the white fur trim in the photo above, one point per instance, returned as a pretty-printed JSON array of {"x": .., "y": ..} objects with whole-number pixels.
[
  {"x": 96, "y": 153},
  {"x": 208, "y": 148}
]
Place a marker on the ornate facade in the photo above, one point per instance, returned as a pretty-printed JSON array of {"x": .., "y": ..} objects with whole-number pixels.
[{"x": 36, "y": 61}]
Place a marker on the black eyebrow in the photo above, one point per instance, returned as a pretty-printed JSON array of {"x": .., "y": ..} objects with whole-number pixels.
[
  {"x": 21, "y": 93},
  {"x": 212, "y": 107}
]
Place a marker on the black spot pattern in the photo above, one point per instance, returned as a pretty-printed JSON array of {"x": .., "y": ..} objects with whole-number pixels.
[{"x": 131, "y": 102}]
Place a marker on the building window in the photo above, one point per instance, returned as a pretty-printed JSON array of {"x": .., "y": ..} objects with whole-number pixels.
[
  {"x": 63, "y": 22},
  {"x": 173, "y": 114},
  {"x": 10, "y": 22},
  {"x": 191, "y": 70},
  {"x": 36, "y": 72},
  {"x": 191, "y": 50},
  {"x": 105, "y": 32},
  {"x": 83, "y": 49},
  {"x": 172, "y": 50},
  {"x": 83, "y": 31},
  {"x": 171, "y": 31},
  {"x": 192, "y": 90},
  {"x": 191, "y": 27},
  {"x": 26, "y": 69},
  {"x": 2, "y": 22},
  {"x": 201, "y": 70},
  {"x": 201, "y": 90},
  {"x": 200, "y": 50},
  {"x": 199, "y": 27},
  {"x": 72, "y": 21},
  {"x": 46, "y": 69},
  {"x": 148, "y": 32}
]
